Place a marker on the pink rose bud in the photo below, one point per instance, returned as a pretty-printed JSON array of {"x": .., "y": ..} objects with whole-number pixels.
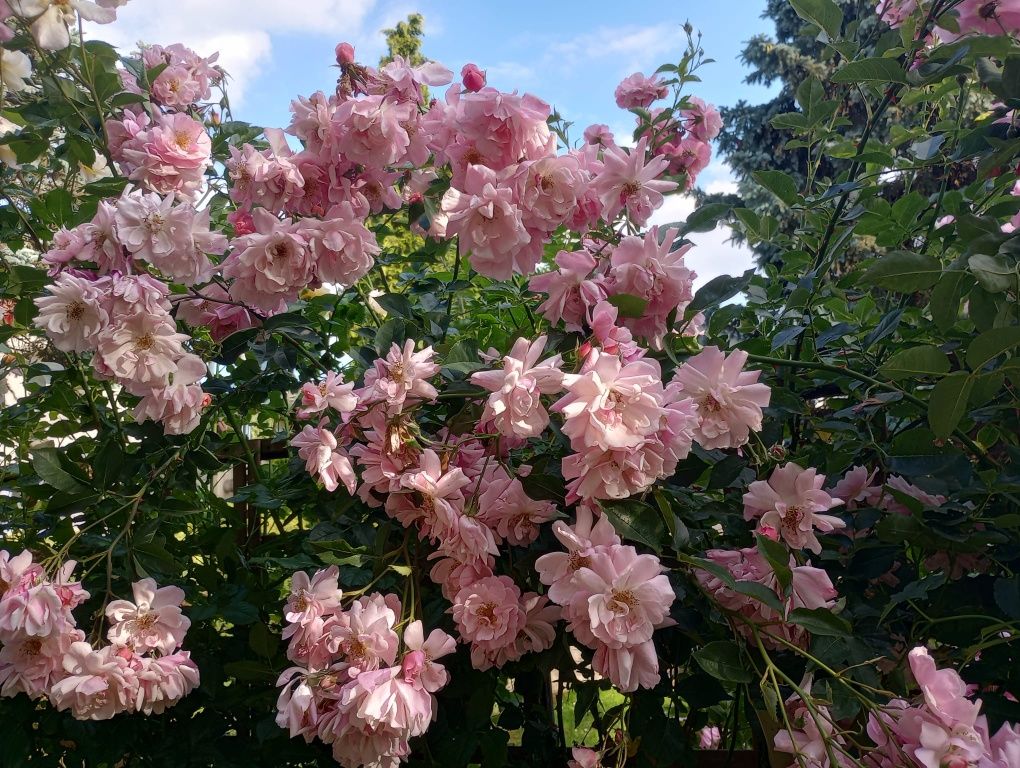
[
  {"x": 412, "y": 665},
  {"x": 243, "y": 222},
  {"x": 473, "y": 77},
  {"x": 345, "y": 54}
]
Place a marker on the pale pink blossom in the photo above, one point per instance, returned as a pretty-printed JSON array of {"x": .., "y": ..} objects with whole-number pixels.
[
  {"x": 389, "y": 448},
  {"x": 363, "y": 634},
  {"x": 811, "y": 588},
  {"x": 652, "y": 269},
  {"x": 612, "y": 405},
  {"x": 626, "y": 596},
  {"x": 856, "y": 489},
  {"x": 431, "y": 676},
  {"x": 984, "y": 17},
  {"x": 141, "y": 350},
  {"x": 628, "y": 668},
  {"x": 895, "y": 12},
  {"x": 178, "y": 406},
  {"x": 152, "y": 622},
  {"x": 72, "y": 313},
  {"x": 270, "y": 266},
  {"x": 502, "y": 128},
  {"x": 344, "y": 248},
  {"x": 702, "y": 120},
  {"x": 572, "y": 292},
  {"x": 30, "y": 664},
  {"x": 730, "y": 400},
  {"x": 331, "y": 392},
  {"x": 401, "y": 377},
  {"x": 611, "y": 474},
  {"x": 639, "y": 91},
  {"x": 792, "y": 505},
  {"x": 630, "y": 180},
  {"x": 900, "y": 485},
  {"x": 452, "y": 576},
  {"x": 98, "y": 684},
  {"x": 511, "y": 513},
  {"x": 550, "y": 189},
  {"x": 436, "y": 497},
  {"x": 515, "y": 406},
  {"x": 709, "y": 737},
  {"x": 488, "y": 221},
  {"x": 311, "y": 598},
  {"x": 599, "y": 134},
  {"x": 489, "y": 616},
  {"x": 688, "y": 156},
  {"x": 812, "y": 739},
  {"x": 556, "y": 569},
  {"x": 945, "y": 692},
  {"x": 582, "y": 757},
  {"x": 53, "y": 19},
  {"x": 165, "y": 680},
  {"x": 169, "y": 156},
  {"x": 325, "y": 459},
  {"x": 215, "y": 309}
]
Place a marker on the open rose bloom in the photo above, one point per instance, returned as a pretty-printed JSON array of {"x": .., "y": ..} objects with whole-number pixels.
[
  {"x": 45, "y": 655},
  {"x": 415, "y": 414}
]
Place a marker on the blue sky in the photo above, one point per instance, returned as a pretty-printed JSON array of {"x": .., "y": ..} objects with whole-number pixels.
[{"x": 571, "y": 54}]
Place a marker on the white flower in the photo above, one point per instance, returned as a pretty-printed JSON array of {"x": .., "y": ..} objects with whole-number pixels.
[
  {"x": 53, "y": 18},
  {"x": 7, "y": 156},
  {"x": 15, "y": 69}
]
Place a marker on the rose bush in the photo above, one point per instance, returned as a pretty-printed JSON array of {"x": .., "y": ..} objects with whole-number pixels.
[{"x": 439, "y": 457}]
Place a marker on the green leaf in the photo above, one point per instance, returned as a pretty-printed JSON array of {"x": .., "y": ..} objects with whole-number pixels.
[
  {"x": 47, "y": 464},
  {"x": 759, "y": 592},
  {"x": 705, "y": 218},
  {"x": 946, "y": 296},
  {"x": 717, "y": 290},
  {"x": 990, "y": 344},
  {"x": 629, "y": 306},
  {"x": 1010, "y": 85},
  {"x": 721, "y": 660},
  {"x": 778, "y": 557},
  {"x": 1007, "y": 596},
  {"x": 948, "y": 403},
  {"x": 779, "y": 184},
  {"x": 903, "y": 271},
  {"x": 249, "y": 670},
  {"x": 824, "y": 14},
  {"x": 636, "y": 521},
  {"x": 992, "y": 273},
  {"x": 925, "y": 360},
  {"x": 820, "y": 621},
  {"x": 874, "y": 69},
  {"x": 395, "y": 304}
]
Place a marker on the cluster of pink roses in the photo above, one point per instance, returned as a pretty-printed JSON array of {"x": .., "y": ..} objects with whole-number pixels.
[
  {"x": 810, "y": 588},
  {"x": 942, "y": 729},
  {"x": 124, "y": 320},
  {"x": 44, "y": 654},
  {"x": 357, "y": 685},
  {"x": 980, "y": 17},
  {"x": 683, "y": 140},
  {"x": 612, "y": 598},
  {"x": 186, "y": 78}
]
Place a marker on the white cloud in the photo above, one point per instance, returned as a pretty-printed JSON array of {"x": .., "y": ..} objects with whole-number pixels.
[
  {"x": 712, "y": 254},
  {"x": 630, "y": 47},
  {"x": 241, "y": 30}
]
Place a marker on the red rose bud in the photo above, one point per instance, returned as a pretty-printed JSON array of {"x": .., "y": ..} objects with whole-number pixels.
[{"x": 473, "y": 77}]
